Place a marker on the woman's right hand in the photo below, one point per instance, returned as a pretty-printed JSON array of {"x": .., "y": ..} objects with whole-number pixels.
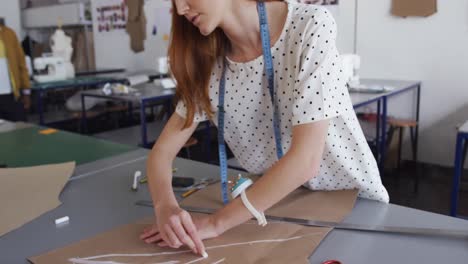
[{"x": 175, "y": 228}]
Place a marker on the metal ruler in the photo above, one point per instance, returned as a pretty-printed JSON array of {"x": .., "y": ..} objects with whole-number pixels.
[{"x": 344, "y": 226}]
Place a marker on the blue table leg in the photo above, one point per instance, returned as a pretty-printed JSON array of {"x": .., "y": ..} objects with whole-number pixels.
[
  {"x": 130, "y": 112},
  {"x": 416, "y": 133},
  {"x": 84, "y": 121},
  {"x": 144, "y": 142},
  {"x": 40, "y": 107},
  {"x": 458, "y": 167},
  {"x": 377, "y": 136},
  {"x": 170, "y": 109},
  {"x": 383, "y": 137},
  {"x": 208, "y": 141}
]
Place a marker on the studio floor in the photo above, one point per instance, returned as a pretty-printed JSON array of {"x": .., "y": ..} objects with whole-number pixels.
[{"x": 435, "y": 187}]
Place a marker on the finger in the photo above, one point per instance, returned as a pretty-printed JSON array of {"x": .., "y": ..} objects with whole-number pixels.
[
  {"x": 181, "y": 232},
  {"x": 148, "y": 232},
  {"x": 193, "y": 233},
  {"x": 164, "y": 237},
  {"x": 172, "y": 239},
  {"x": 162, "y": 244},
  {"x": 154, "y": 239},
  {"x": 149, "y": 228}
]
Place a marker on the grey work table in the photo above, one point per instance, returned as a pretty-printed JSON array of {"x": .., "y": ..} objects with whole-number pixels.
[
  {"x": 146, "y": 93},
  {"x": 98, "y": 198},
  {"x": 132, "y": 135},
  {"x": 143, "y": 91},
  {"x": 360, "y": 99},
  {"x": 363, "y": 98}
]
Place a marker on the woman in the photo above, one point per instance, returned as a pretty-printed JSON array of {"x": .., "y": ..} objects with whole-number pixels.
[{"x": 317, "y": 129}]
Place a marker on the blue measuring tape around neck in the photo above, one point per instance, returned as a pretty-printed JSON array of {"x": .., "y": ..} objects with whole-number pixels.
[{"x": 265, "y": 37}]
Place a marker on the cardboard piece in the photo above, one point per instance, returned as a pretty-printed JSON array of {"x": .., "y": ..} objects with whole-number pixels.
[
  {"x": 247, "y": 243},
  {"x": 27, "y": 193},
  {"x": 301, "y": 203},
  {"x": 422, "y": 8}
]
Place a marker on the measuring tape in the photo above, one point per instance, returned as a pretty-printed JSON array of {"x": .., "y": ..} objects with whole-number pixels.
[
  {"x": 221, "y": 145},
  {"x": 265, "y": 36}
]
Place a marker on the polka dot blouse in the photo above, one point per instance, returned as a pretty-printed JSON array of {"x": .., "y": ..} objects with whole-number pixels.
[{"x": 309, "y": 88}]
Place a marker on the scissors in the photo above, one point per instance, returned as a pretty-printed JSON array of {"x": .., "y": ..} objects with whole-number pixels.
[
  {"x": 202, "y": 184},
  {"x": 331, "y": 262}
]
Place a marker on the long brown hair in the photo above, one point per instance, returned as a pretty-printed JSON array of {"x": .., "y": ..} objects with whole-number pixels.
[{"x": 191, "y": 59}]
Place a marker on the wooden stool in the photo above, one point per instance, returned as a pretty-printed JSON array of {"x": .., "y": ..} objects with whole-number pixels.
[{"x": 400, "y": 125}]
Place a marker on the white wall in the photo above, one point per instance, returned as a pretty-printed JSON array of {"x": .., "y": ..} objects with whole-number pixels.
[
  {"x": 112, "y": 49},
  {"x": 10, "y": 10},
  {"x": 344, "y": 15},
  {"x": 434, "y": 50}
]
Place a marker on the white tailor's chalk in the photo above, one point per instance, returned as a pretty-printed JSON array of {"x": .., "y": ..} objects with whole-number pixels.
[
  {"x": 62, "y": 220},
  {"x": 136, "y": 178},
  {"x": 204, "y": 254}
]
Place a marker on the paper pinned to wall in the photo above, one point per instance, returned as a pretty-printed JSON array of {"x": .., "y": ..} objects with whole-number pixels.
[
  {"x": 162, "y": 22},
  {"x": 27, "y": 193},
  {"x": 331, "y": 5},
  {"x": 421, "y": 8},
  {"x": 320, "y": 2},
  {"x": 110, "y": 15}
]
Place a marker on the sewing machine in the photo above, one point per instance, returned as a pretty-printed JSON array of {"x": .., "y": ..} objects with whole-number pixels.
[
  {"x": 50, "y": 69},
  {"x": 351, "y": 65},
  {"x": 56, "y": 66}
]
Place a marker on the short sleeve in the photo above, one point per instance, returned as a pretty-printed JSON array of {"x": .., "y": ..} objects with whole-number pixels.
[
  {"x": 320, "y": 90},
  {"x": 181, "y": 110}
]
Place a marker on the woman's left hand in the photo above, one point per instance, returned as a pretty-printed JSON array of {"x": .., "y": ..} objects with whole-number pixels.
[{"x": 205, "y": 225}]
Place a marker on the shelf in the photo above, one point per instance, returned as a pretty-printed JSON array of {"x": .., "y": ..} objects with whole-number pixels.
[{"x": 70, "y": 15}]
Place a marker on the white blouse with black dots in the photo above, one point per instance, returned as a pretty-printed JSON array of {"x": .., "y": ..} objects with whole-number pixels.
[{"x": 309, "y": 88}]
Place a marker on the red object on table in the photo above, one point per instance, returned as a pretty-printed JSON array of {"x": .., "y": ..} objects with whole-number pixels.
[{"x": 331, "y": 262}]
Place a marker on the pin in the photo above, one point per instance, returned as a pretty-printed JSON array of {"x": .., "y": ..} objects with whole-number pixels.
[
  {"x": 240, "y": 185},
  {"x": 136, "y": 177}
]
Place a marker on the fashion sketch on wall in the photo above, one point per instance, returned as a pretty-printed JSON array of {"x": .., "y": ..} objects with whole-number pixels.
[{"x": 320, "y": 2}]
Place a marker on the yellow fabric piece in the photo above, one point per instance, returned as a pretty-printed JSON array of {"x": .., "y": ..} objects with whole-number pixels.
[
  {"x": 16, "y": 61},
  {"x": 2, "y": 49},
  {"x": 3, "y": 55}
]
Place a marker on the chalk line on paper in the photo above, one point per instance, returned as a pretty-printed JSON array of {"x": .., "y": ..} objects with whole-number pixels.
[{"x": 279, "y": 240}]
